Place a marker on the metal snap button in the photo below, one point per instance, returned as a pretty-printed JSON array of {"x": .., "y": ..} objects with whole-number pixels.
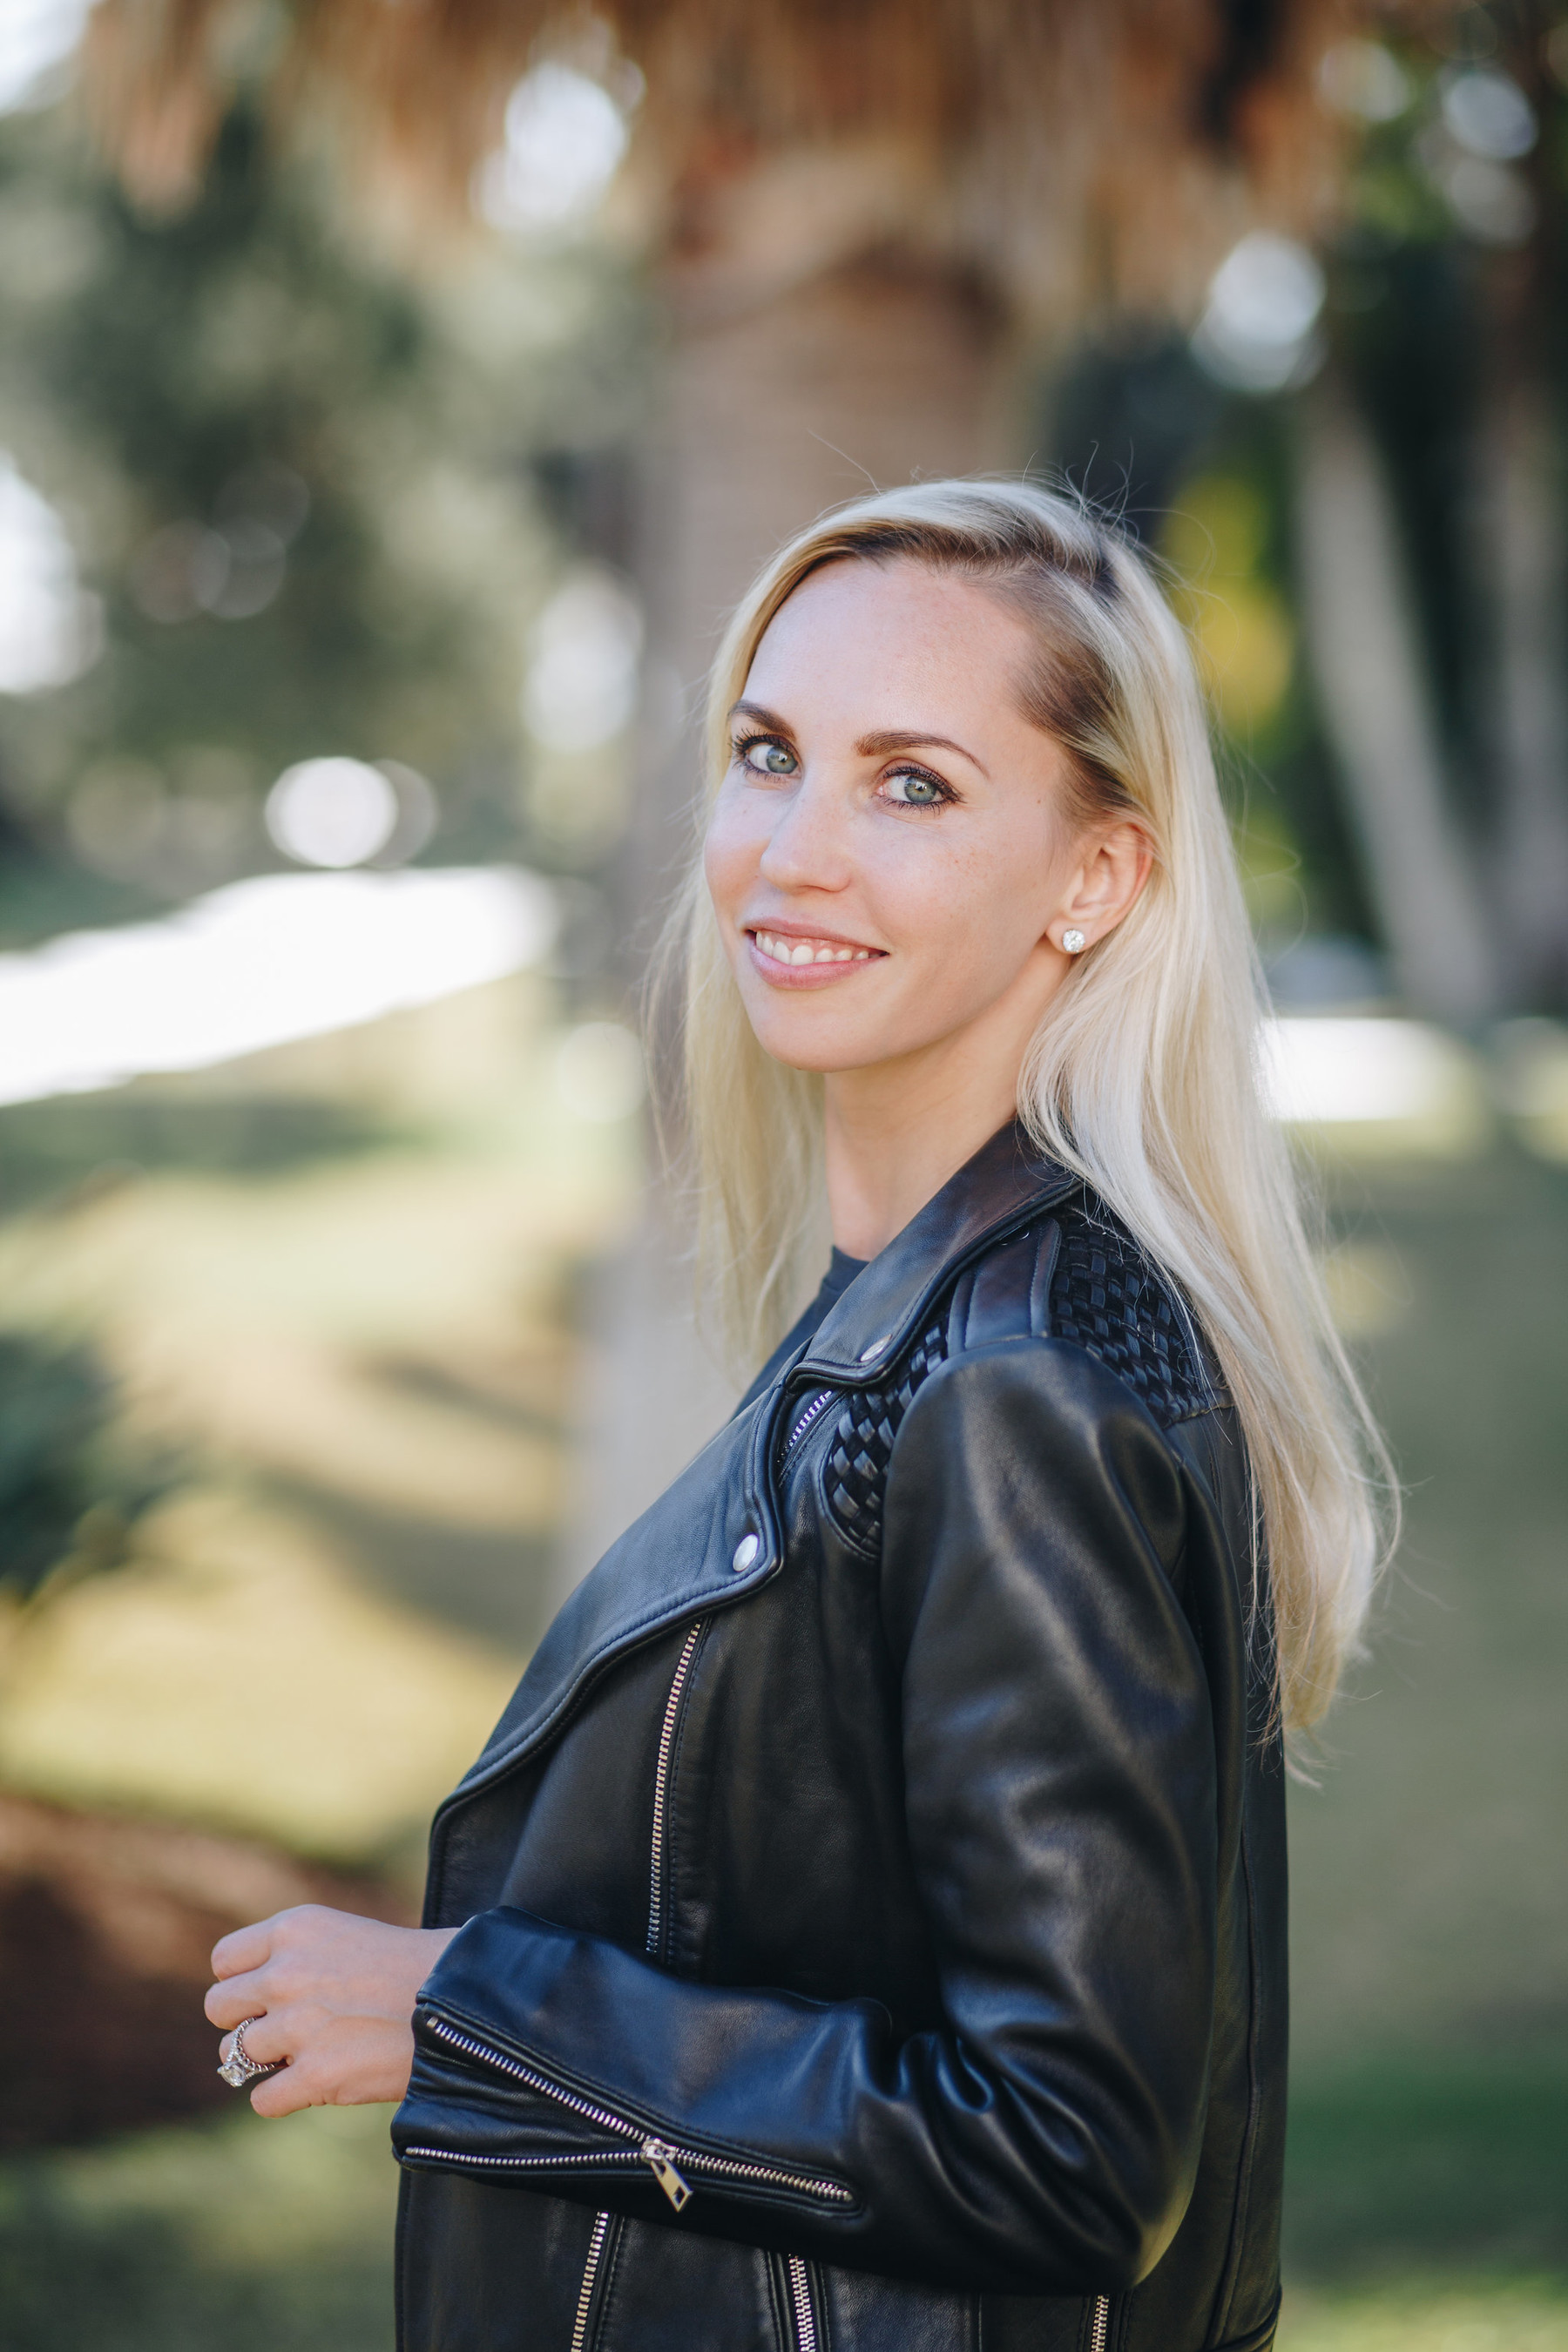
[
  {"x": 868, "y": 1355},
  {"x": 746, "y": 1551}
]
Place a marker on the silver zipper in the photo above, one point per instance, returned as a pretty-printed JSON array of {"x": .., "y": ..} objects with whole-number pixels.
[
  {"x": 661, "y": 1787},
  {"x": 526, "y": 2163},
  {"x": 800, "y": 2296},
  {"x": 825, "y": 1396},
  {"x": 1100, "y": 2325},
  {"x": 663, "y": 2159},
  {"x": 590, "y": 2272}
]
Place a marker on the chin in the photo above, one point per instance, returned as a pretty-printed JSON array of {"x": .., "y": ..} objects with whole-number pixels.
[
  {"x": 805, "y": 1054},
  {"x": 803, "y": 1046},
  {"x": 806, "y": 1044}
]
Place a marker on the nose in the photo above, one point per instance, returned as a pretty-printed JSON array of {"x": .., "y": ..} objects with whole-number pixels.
[{"x": 805, "y": 848}]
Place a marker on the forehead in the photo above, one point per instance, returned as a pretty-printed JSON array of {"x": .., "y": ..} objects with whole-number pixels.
[{"x": 900, "y": 625}]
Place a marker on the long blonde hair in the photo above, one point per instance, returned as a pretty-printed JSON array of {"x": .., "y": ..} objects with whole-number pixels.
[{"x": 1141, "y": 1075}]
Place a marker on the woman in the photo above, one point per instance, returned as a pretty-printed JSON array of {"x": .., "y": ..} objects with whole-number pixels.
[{"x": 865, "y": 1927}]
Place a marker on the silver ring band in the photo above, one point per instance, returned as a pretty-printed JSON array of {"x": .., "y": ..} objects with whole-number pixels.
[{"x": 239, "y": 2068}]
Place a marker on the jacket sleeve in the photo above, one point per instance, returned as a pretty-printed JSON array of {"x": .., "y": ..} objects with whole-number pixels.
[{"x": 1060, "y": 1783}]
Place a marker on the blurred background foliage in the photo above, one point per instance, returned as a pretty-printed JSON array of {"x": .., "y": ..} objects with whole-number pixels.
[
  {"x": 311, "y": 500},
  {"x": 326, "y": 543}
]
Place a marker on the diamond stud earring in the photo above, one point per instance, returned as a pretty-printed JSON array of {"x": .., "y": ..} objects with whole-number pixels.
[{"x": 1073, "y": 943}]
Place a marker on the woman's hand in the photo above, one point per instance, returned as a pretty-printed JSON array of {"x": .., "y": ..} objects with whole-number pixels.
[{"x": 333, "y": 1995}]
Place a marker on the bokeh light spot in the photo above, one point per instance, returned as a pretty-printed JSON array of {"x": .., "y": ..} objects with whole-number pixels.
[
  {"x": 1364, "y": 79},
  {"x": 1485, "y": 110},
  {"x": 37, "y": 38},
  {"x": 49, "y": 631},
  {"x": 332, "y": 812},
  {"x": 566, "y": 137},
  {"x": 1258, "y": 332},
  {"x": 584, "y": 653}
]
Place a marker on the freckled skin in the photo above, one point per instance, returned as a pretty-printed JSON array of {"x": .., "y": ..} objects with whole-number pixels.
[{"x": 965, "y": 897}]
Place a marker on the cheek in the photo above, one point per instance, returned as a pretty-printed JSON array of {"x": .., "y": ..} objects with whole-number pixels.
[
  {"x": 732, "y": 847},
  {"x": 974, "y": 914}
]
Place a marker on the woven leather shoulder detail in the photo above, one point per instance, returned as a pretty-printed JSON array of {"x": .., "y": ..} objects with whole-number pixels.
[
  {"x": 862, "y": 1447},
  {"x": 1108, "y": 1297}
]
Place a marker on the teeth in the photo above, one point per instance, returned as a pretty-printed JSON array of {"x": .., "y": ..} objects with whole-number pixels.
[{"x": 800, "y": 951}]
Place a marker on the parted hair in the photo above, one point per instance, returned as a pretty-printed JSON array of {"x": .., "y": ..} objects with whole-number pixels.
[{"x": 1143, "y": 1073}]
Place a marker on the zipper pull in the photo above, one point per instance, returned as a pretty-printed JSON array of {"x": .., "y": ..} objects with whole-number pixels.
[{"x": 655, "y": 2153}]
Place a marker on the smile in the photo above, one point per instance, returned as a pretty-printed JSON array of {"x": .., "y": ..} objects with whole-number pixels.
[{"x": 780, "y": 949}]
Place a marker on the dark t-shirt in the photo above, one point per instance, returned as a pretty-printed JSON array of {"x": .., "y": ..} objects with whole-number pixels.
[{"x": 842, "y": 1270}]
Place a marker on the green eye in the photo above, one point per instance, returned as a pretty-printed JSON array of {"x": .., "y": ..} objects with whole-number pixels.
[
  {"x": 914, "y": 791},
  {"x": 766, "y": 758}
]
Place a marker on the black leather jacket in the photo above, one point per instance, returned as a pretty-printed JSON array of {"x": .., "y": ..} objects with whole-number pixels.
[{"x": 875, "y": 1890}]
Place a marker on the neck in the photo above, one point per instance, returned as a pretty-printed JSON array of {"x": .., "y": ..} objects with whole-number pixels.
[{"x": 894, "y": 1136}]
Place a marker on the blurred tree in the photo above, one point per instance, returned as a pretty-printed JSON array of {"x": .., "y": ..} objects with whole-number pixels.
[
  {"x": 70, "y": 1490},
  {"x": 1517, "y": 506},
  {"x": 1379, "y": 715},
  {"x": 862, "y": 217},
  {"x": 297, "y": 484},
  {"x": 861, "y": 221},
  {"x": 1447, "y": 288},
  {"x": 1410, "y": 460}
]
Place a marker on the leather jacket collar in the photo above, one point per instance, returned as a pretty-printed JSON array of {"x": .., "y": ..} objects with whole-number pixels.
[
  {"x": 1005, "y": 1184},
  {"x": 714, "y": 1535}
]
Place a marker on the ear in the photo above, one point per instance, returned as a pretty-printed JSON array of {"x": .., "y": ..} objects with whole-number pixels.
[{"x": 1116, "y": 864}]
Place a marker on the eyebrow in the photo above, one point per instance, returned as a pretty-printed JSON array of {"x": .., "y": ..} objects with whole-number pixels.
[
  {"x": 906, "y": 739},
  {"x": 768, "y": 719},
  {"x": 869, "y": 747}
]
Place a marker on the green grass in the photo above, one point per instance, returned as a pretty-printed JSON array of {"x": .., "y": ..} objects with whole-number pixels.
[
  {"x": 1484, "y": 2314},
  {"x": 63, "y": 1149},
  {"x": 234, "y": 2237},
  {"x": 1422, "y": 2166},
  {"x": 1429, "y": 1901}
]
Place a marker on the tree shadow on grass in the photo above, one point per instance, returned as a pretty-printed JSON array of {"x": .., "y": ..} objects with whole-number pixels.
[
  {"x": 1428, "y": 2166},
  {"x": 67, "y": 1149},
  {"x": 493, "y": 1583},
  {"x": 130, "y": 2282}
]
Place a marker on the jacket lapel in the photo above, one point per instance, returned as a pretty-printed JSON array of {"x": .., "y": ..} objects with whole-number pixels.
[
  {"x": 710, "y": 1539},
  {"x": 1005, "y": 1187},
  {"x": 714, "y": 1535}
]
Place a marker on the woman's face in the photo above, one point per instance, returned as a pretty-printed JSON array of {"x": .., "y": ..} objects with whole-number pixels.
[{"x": 889, "y": 857}]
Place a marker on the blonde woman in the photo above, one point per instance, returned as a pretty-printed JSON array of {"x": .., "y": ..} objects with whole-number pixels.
[{"x": 866, "y": 1929}]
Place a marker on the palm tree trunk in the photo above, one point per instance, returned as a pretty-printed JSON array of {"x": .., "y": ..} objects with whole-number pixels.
[
  {"x": 869, "y": 375},
  {"x": 1361, "y": 631},
  {"x": 1518, "y": 539},
  {"x": 864, "y": 378}
]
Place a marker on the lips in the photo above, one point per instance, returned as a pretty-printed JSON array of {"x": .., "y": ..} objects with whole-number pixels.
[{"x": 782, "y": 948}]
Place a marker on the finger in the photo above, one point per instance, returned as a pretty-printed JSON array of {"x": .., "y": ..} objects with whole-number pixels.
[
  {"x": 284, "y": 2093},
  {"x": 246, "y": 1948},
  {"x": 231, "y": 2002},
  {"x": 268, "y": 2042}
]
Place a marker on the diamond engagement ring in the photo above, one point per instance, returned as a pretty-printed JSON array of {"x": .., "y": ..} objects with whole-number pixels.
[{"x": 239, "y": 2068}]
